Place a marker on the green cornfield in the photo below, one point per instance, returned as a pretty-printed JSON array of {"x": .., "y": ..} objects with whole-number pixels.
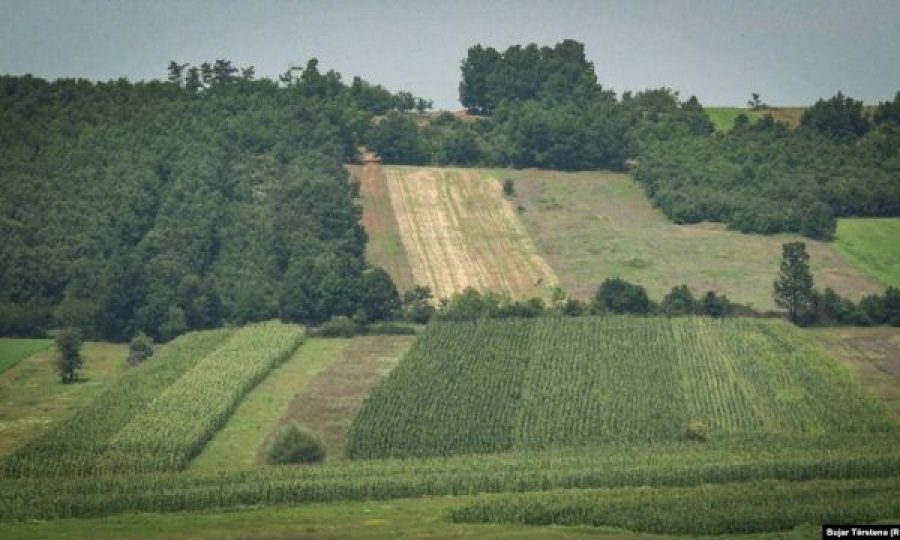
[
  {"x": 497, "y": 385},
  {"x": 748, "y": 507},
  {"x": 162, "y": 412},
  {"x": 723, "y": 459}
]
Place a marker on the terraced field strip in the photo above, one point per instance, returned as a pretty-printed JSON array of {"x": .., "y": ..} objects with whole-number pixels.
[
  {"x": 330, "y": 401},
  {"x": 594, "y": 225},
  {"x": 737, "y": 458},
  {"x": 176, "y": 425},
  {"x": 459, "y": 231},
  {"x": 497, "y": 385},
  {"x": 738, "y": 508},
  {"x": 32, "y": 399},
  {"x": 237, "y": 445},
  {"x": 384, "y": 248}
]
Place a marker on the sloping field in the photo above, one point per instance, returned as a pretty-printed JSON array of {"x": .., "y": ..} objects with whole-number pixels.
[
  {"x": 511, "y": 384},
  {"x": 328, "y": 404},
  {"x": 458, "y": 231},
  {"x": 593, "y": 225},
  {"x": 384, "y": 248},
  {"x": 237, "y": 445},
  {"x": 161, "y": 413},
  {"x": 727, "y": 459},
  {"x": 872, "y": 245},
  {"x": 32, "y": 398}
]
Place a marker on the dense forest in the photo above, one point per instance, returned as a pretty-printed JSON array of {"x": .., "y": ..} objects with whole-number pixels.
[
  {"x": 539, "y": 107},
  {"x": 766, "y": 178},
  {"x": 544, "y": 107},
  {"x": 160, "y": 207}
]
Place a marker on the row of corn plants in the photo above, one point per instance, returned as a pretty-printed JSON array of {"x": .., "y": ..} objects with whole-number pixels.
[
  {"x": 176, "y": 425},
  {"x": 71, "y": 447},
  {"x": 734, "y": 508},
  {"x": 744, "y": 458},
  {"x": 514, "y": 384}
]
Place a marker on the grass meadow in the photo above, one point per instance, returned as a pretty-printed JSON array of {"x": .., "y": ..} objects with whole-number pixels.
[{"x": 872, "y": 245}]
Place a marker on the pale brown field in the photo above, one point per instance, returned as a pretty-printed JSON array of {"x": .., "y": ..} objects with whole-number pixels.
[
  {"x": 331, "y": 399},
  {"x": 384, "y": 248},
  {"x": 458, "y": 230}
]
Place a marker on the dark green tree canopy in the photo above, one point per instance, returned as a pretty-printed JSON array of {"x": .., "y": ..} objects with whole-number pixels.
[
  {"x": 616, "y": 295},
  {"x": 68, "y": 353},
  {"x": 177, "y": 205}
]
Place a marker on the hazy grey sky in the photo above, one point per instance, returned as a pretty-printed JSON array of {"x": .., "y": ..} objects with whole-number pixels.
[{"x": 791, "y": 52}]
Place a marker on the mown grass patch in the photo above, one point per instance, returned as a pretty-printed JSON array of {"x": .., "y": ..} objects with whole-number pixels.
[
  {"x": 872, "y": 245},
  {"x": 237, "y": 445}
]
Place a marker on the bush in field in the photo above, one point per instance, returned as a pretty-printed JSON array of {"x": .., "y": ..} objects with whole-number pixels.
[
  {"x": 293, "y": 445},
  {"x": 619, "y": 296},
  {"x": 679, "y": 301},
  {"x": 68, "y": 358},
  {"x": 337, "y": 327},
  {"x": 140, "y": 349}
]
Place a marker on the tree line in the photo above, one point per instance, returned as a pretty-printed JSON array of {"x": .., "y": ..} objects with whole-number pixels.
[
  {"x": 538, "y": 107},
  {"x": 544, "y": 107},
  {"x": 208, "y": 199},
  {"x": 765, "y": 177}
]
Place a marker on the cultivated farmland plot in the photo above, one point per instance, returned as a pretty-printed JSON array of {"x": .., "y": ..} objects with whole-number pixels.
[
  {"x": 513, "y": 384},
  {"x": 163, "y": 412},
  {"x": 458, "y": 231}
]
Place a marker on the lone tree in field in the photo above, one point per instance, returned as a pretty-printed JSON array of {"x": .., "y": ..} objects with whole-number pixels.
[
  {"x": 68, "y": 357},
  {"x": 794, "y": 287}
]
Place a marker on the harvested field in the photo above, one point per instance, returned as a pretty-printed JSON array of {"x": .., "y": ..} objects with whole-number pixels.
[
  {"x": 331, "y": 399},
  {"x": 384, "y": 248},
  {"x": 459, "y": 231}
]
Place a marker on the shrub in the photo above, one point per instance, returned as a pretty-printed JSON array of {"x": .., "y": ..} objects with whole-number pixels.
[
  {"x": 390, "y": 329},
  {"x": 294, "y": 445},
  {"x": 337, "y": 327},
  {"x": 140, "y": 348},
  {"x": 509, "y": 188}
]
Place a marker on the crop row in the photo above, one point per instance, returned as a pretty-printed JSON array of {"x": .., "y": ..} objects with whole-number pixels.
[
  {"x": 71, "y": 446},
  {"x": 734, "y": 508},
  {"x": 722, "y": 460},
  {"x": 516, "y": 384},
  {"x": 177, "y": 406}
]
